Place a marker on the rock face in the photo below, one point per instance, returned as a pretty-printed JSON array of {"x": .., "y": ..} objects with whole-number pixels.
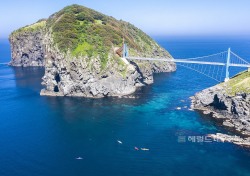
[
  {"x": 27, "y": 47},
  {"x": 76, "y": 45},
  {"x": 233, "y": 110},
  {"x": 76, "y": 78},
  {"x": 67, "y": 76},
  {"x": 219, "y": 137}
]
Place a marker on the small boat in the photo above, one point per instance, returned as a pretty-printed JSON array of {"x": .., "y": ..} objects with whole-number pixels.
[
  {"x": 178, "y": 108},
  {"x": 79, "y": 158},
  {"x": 120, "y": 142},
  {"x": 136, "y": 148},
  {"x": 144, "y": 149}
]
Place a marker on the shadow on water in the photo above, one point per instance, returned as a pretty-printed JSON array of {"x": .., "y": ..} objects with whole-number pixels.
[{"x": 28, "y": 77}]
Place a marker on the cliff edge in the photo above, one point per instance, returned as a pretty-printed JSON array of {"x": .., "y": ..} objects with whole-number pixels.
[{"x": 27, "y": 48}]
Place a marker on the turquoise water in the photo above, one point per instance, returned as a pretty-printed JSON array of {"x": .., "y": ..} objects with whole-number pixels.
[{"x": 44, "y": 135}]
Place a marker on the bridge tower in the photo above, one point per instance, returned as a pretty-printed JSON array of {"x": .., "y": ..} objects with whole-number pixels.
[
  {"x": 228, "y": 64},
  {"x": 125, "y": 53}
]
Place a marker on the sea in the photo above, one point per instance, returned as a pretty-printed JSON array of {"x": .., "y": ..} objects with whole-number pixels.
[{"x": 147, "y": 135}]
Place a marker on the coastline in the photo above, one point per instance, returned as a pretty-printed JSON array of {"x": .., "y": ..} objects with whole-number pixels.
[{"x": 231, "y": 111}]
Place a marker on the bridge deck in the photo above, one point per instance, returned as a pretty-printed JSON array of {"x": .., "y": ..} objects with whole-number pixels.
[{"x": 189, "y": 61}]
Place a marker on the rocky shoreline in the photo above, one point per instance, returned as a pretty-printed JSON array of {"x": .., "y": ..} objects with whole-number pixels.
[
  {"x": 238, "y": 140},
  {"x": 232, "y": 111}
]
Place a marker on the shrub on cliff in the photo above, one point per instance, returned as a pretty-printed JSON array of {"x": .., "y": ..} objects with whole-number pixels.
[
  {"x": 85, "y": 32},
  {"x": 76, "y": 26}
]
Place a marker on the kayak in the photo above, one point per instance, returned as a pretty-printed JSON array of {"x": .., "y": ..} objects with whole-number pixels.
[
  {"x": 144, "y": 149},
  {"x": 79, "y": 158}
]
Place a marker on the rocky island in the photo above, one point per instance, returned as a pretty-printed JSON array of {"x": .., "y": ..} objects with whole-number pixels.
[
  {"x": 77, "y": 46},
  {"x": 228, "y": 102}
]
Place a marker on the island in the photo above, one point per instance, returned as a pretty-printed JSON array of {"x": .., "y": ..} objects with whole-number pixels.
[
  {"x": 229, "y": 103},
  {"x": 79, "y": 48}
]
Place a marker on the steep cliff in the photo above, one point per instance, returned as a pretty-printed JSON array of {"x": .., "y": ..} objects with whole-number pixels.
[
  {"x": 27, "y": 48},
  {"x": 229, "y": 102},
  {"x": 77, "y": 46}
]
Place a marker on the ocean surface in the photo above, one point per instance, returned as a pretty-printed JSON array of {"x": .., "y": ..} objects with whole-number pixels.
[{"x": 44, "y": 136}]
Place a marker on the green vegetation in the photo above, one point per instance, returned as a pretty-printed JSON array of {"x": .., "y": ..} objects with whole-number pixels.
[
  {"x": 76, "y": 27},
  {"x": 104, "y": 60},
  {"x": 31, "y": 28},
  {"x": 84, "y": 31},
  {"x": 83, "y": 49},
  {"x": 238, "y": 84}
]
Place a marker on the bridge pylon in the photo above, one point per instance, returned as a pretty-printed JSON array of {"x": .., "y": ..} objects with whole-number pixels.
[
  {"x": 125, "y": 53},
  {"x": 228, "y": 64}
]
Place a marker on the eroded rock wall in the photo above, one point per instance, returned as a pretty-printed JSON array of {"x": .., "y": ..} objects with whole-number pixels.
[
  {"x": 85, "y": 77},
  {"x": 27, "y": 49},
  {"x": 233, "y": 110}
]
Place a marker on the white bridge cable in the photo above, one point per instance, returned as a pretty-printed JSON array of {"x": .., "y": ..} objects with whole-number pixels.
[
  {"x": 220, "y": 59},
  {"x": 176, "y": 61},
  {"x": 212, "y": 66},
  {"x": 222, "y": 72},
  {"x": 243, "y": 61},
  {"x": 212, "y": 71},
  {"x": 213, "y": 59},
  {"x": 188, "y": 67},
  {"x": 202, "y": 57}
]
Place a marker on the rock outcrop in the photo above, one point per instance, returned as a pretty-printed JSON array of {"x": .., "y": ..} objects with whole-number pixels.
[
  {"x": 27, "y": 48},
  {"x": 66, "y": 76},
  {"x": 76, "y": 45},
  {"x": 238, "y": 140},
  {"x": 232, "y": 109}
]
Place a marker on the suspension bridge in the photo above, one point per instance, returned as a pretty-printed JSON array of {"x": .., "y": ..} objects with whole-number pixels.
[{"x": 215, "y": 66}]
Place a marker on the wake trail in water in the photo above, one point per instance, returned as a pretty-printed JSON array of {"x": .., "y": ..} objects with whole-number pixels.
[{"x": 4, "y": 63}]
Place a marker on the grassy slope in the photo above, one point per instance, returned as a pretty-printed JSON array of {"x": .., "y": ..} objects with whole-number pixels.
[
  {"x": 238, "y": 84},
  {"x": 30, "y": 28},
  {"x": 87, "y": 33},
  {"x": 84, "y": 31}
]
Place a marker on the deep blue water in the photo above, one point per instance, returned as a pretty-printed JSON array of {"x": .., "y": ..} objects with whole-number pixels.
[{"x": 43, "y": 135}]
